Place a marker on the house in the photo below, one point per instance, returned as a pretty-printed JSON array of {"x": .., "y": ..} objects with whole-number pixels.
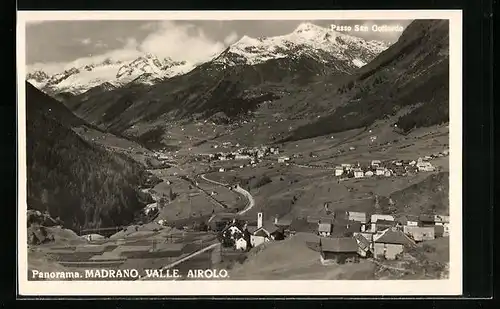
[
  {"x": 222, "y": 170},
  {"x": 441, "y": 220},
  {"x": 376, "y": 163},
  {"x": 339, "y": 170},
  {"x": 283, "y": 159},
  {"x": 387, "y": 173},
  {"x": 380, "y": 171},
  {"x": 232, "y": 232},
  {"x": 364, "y": 245},
  {"x": 265, "y": 232},
  {"x": 408, "y": 220},
  {"x": 338, "y": 250},
  {"x": 420, "y": 233},
  {"x": 241, "y": 244},
  {"x": 412, "y": 163},
  {"x": 242, "y": 157},
  {"x": 357, "y": 216},
  {"x": 424, "y": 166},
  {"x": 358, "y": 173},
  {"x": 426, "y": 220},
  {"x": 324, "y": 229},
  {"x": 368, "y": 174},
  {"x": 375, "y": 217},
  {"x": 391, "y": 243},
  {"x": 367, "y": 236}
]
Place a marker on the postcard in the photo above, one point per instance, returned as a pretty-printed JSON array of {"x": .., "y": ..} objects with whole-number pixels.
[{"x": 197, "y": 153}]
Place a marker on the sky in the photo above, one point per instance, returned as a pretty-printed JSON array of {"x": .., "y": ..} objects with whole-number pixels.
[{"x": 56, "y": 45}]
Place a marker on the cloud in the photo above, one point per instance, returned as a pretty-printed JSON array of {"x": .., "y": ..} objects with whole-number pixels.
[
  {"x": 100, "y": 44},
  {"x": 165, "y": 39},
  {"x": 180, "y": 42},
  {"x": 85, "y": 41},
  {"x": 231, "y": 38},
  {"x": 127, "y": 53}
]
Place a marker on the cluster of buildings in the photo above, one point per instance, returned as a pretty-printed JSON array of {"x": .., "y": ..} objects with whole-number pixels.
[
  {"x": 340, "y": 237},
  {"x": 388, "y": 168},
  {"x": 252, "y": 155},
  {"x": 244, "y": 233}
]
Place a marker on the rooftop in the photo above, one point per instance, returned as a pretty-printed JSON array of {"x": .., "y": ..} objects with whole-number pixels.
[
  {"x": 363, "y": 242},
  {"x": 341, "y": 244},
  {"x": 393, "y": 236}
]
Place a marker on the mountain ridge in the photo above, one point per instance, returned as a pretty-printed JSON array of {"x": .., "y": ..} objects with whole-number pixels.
[
  {"x": 322, "y": 44},
  {"x": 78, "y": 182}
]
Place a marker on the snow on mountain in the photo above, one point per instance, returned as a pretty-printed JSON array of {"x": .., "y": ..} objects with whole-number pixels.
[
  {"x": 308, "y": 39},
  {"x": 321, "y": 44},
  {"x": 149, "y": 68}
]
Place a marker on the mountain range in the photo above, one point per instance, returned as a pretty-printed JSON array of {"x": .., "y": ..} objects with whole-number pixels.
[
  {"x": 236, "y": 81},
  {"x": 328, "y": 81},
  {"x": 320, "y": 43},
  {"x": 76, "y": 80}
]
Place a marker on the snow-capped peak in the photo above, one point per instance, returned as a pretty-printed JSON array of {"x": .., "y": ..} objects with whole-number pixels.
[
  {"x": 117, "y": 73},
  {"x": 246, "y": 41},
  {"x": 307, "y": 27},
  {"x": 308, "y": 39}
]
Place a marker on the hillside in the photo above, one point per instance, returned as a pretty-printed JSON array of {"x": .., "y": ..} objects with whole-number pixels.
[
  {"x": 411, "y": 74},
  {"x": 237, "y": 82},
  {"x": 78, "y": 182},
  {"x": 430, "y": 196}
]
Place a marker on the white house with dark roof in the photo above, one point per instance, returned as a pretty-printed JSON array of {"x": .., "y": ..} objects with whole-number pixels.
[
  {"x": 358, "y": 173},
  {"x": 390, "y": 243}
]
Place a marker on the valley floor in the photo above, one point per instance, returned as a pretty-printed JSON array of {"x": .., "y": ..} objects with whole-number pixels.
[{"x": 297, "y": 188}]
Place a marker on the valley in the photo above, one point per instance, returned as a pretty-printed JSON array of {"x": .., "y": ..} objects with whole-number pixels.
[{"x": 270, "y": 130}]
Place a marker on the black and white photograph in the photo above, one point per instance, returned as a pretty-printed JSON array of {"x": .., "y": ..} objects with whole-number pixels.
[{"x": 240, "y": 150}]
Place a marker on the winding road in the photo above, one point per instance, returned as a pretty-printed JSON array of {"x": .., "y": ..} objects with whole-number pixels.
[{"x": 245, "y": 193}]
